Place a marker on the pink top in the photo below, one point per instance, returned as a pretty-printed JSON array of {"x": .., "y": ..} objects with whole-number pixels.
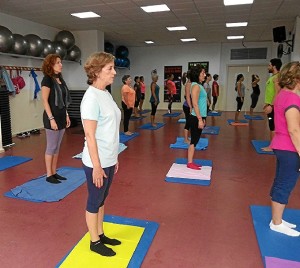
[
  {"x": 143, "y": 87},
  {"x": 171, "y": 87},
  {"x": 284, "y": 101}
]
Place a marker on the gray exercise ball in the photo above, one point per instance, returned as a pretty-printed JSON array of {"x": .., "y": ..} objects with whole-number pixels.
[
  {"x": 66, "y": 37},
  {"x": 20, "y": 45},
  {"x": 6, "y": 39},
  {"x": 48, "y": 48},
  {"x": 35, "y": 45},
  {"x": 60, "y": 49},
  {"x": 74, "y": 54}
]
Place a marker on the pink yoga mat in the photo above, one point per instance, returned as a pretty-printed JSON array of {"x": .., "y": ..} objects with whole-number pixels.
[{"x": 272, "y": 262}]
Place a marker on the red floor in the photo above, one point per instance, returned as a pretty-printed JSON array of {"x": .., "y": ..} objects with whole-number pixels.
[{"x": 209, "y": 227}]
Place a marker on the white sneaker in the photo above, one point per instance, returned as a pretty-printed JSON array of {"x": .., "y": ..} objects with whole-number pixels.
[
  {"x": 288, "y": 224},
  {"x": 283, "y": 229}
]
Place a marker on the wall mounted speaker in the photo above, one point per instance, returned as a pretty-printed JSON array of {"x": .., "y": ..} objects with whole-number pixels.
[
  {"x": 279, "y": 51},
  {"x": 279, "y": 34}
]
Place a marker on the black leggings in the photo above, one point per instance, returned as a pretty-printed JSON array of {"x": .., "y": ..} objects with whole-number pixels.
[
  {"x": 215, "y": 99},
  {"x": 127, "y": 114},
  {"x": 186, "y": 110},
  {"x": 195, "y": 130},
  {"x": 171, "y": 99},
  {"x": 239, "y": 104},
  {"x": 153, "y": 108},
  {"x": 254, "y": 98}
]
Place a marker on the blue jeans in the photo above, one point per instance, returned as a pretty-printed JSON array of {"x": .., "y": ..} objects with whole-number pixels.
[{"x": 287, "y": 174}]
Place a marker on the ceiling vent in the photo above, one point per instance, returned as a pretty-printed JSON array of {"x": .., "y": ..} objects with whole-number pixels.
[{"x": 249, "y": 53}]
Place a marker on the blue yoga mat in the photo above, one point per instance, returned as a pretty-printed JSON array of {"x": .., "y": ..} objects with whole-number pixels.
[
  {"x": 124, "y": 138},
  {"x": 150, "y": 229},
  {"x": 181, "y": 120},
  {"x": 229, "y": 121},
  {"x": 201, "y": 162},
  {"x": 273, "y": 244},
  {"x": 253, "y": 117},
  {"x": 39, "y": 190},
  {"x": 133, "y": 118},
  {"x": 257, "y": 144},
  {"x": 145, "y": 111},
  {"x": 172, "y": 114},
  {"x": 11, "y": 161},
  {"x": 180, "y": 144},
  {"x": 211, "y": 130},
  {"x": 214, "y": 113},
  {"x": 148, "y": 126}
]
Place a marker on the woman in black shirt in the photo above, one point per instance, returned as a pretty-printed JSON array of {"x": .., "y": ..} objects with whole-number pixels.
[
  {"x": 56, "y": 99},
  {"x": 255, "y": 93}
]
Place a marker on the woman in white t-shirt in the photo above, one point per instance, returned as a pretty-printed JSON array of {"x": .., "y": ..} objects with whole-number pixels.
[{"x": 100, "y": 117}]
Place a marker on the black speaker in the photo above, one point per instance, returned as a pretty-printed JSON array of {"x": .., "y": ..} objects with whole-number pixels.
[
  {"x": 279, "y": 34},
  {"x": 279, "y": 51}
]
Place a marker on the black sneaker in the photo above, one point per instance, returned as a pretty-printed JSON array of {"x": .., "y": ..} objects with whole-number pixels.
[
  {"x": 61, "y": 178},
  {"x": 52, "y": 179},
  {"x": 101, "y": 249}
]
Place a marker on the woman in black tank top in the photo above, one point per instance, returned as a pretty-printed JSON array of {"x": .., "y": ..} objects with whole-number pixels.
[{"x": 256, "y": 92}]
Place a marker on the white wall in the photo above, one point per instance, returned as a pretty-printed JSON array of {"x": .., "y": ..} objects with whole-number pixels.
[
  {"x": 295, "y": 55},
  {"x": 26, "y": 113},
  {"x": 145, "y": 59}
]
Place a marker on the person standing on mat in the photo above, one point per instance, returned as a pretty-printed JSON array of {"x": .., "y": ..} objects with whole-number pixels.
[
  {"x": 154, "y": 99},
  {"x": 56, "y": 99},
  {"x": 137, "y": 89},
  {"x": 240, "y": 91},
  {"x": 207, "y": 87},
  {"x": 199, "y": 111},
  {"x": 286, "y": 145},
  {"x": 187, "y": 107},
  {"x": 101, "y": 118},
  {"x": 255, "y": 93},
  {"x": 272, "y": 88},
  {"x": 143, "y": 92},
  {"x": 128, "y": 101},
  {"x": 171, "y": 87},
  {"x": 215, "y": 91}
]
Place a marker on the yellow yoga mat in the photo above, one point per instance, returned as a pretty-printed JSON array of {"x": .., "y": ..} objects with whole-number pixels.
[{"x": 135, "y": 239}]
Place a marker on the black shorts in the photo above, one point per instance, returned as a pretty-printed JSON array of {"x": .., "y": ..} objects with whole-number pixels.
[
  {"x": 271, "y": 120},
  {"x": 195, "y": 131},
  {"x": 142, "y": 96},
  {"x": 239, "y": 104}
]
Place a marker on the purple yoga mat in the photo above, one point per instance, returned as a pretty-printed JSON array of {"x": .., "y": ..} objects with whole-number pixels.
[{"x": 272, "y": 262}]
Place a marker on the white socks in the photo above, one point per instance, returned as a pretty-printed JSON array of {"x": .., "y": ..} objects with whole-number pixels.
[{"x": 284, "y": 228}]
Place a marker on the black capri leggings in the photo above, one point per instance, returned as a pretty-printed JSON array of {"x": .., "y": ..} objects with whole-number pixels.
[
  {"x": 239, "y": 104},
  {"x": 186, "y": 111},
  {"x": 127, "y": 114},
  {"x": 153, "y": 108},
  {"x": 254, "y": 98},
  {"x": 195, "y": 131}
]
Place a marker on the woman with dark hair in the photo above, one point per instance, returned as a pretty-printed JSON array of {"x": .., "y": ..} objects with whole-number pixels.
[
  {"x": 171, "y": 87},
  {"x": 56, "y": 99},
  {"x": 101, "y": 118},
  {"x": 286, "y": 146},
  {"x": 240, "y": 91},
  {"x": 256, "y": 92},
  {"x": 154, "y": 99},
  {"x": 199, "y": 111},
  {"x": 215, "y": 91},
  {"x": 187, "y": 107},
  {"x": 128, "y": 101},
  {"x": 143, "y": 92}
]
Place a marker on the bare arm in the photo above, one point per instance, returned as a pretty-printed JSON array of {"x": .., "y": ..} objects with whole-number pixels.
[
  {"x": 90, "y": 135},
  {"x": 153, "y": 85},
  {"x": 45, "y": 97},
  {"x": 195, "y": 97},
  {"x": 187, "y": 89},
  {"x": 292, "y": 116}
]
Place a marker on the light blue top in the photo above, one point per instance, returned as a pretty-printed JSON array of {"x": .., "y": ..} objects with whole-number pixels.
[
  {"x": 202, "y": 100},
  {"x": 98, "y": 105},
  {"x": 242, "y": 90}
]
